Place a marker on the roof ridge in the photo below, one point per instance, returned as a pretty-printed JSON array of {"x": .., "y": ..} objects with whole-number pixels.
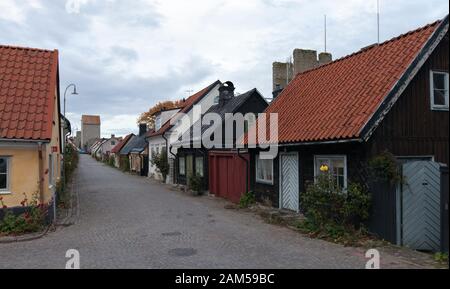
[
  {"x": 372, "y": 46},
  {"x": 27, "y": 48}
]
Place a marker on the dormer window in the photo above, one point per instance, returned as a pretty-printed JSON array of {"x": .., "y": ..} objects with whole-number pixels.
[{"x": 439, "y": 90}]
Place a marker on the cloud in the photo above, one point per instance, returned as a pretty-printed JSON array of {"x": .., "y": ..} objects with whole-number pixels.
[{"x": 126, "y": 57}]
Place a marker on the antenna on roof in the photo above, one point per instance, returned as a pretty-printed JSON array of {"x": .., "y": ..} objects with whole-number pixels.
[
  {"x": 378, "y": 21},
  {"x": 325, "y": 29},
  {"x": 288, "y": 69},
  {"x": 189, "y": 92}
]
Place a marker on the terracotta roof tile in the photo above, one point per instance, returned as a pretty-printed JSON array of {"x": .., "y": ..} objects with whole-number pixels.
[
  {"x": 90, "y": 119},
  {"x": 121, "y": 144},
  {"x": 27, "y": 85},
  {"x": 336, "y": 100}
]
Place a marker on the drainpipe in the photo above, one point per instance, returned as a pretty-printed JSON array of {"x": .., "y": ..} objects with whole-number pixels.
[
  {"x": 246, "y": 169},
  {"x": 41, "y": 173},
  {"x": 169, "y": 148}
]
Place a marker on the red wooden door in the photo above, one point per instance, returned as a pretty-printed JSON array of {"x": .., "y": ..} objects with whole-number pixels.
[{"x": 227, "y": 175}]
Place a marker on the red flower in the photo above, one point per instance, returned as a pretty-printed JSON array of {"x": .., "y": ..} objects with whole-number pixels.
[{"x": 5, "y": 207}]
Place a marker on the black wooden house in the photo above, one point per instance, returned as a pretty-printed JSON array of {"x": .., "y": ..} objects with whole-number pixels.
[{"x": 393, "y": 96}]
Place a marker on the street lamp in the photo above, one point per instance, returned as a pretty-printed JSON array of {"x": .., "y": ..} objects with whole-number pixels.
[{"x": 74, "y": 92}]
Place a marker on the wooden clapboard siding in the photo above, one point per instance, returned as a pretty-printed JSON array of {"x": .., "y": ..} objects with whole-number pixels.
[{"x": 411, "y": 128}]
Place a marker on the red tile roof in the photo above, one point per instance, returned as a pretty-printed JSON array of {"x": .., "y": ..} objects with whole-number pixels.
[
  {"x": 187, "y": 105},
  {"x": 90, "y": 119},
  {"x": 336, "y": 100},
  {"x": 121, "y": 144},
  {"x": 28, "y": 79}
]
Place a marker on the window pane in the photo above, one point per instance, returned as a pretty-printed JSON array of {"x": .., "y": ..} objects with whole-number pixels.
[
  {"x": 340, "y": 182},
  {"x": 267, "y": 170},
  {"x": 199, "y": 166},
  {"x": 338, "y": 163},
  {"x": 264, "y": 170},
  {"x": 439, "y": 97},
  {"x": 439, "y": 81},
  {"x": 182, "y": 168},
  {"x": 3, "y": 181},
  {"x": 2, "y": 165}
]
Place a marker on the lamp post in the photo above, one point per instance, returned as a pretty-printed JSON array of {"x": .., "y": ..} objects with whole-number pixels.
[{"x": 74, "y": 92}]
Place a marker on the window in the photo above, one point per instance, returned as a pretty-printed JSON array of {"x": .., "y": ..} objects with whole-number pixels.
[
  {"x": 113, "y": 143},
  {"x": 4, "y": 171},
  {"x": 199, "y": 166},
  {"x": 336, "y": 166},
  {"x": 182, "y": 166},
  {"x": 158, "y": 123},
  {"x": 439, "y": 90},
  {"x": 264, "y": 171},
  {"x": 216, "y": 100}
]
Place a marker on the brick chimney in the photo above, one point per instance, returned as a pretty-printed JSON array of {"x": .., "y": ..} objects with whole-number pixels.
[{"x": 226, "y": 92}]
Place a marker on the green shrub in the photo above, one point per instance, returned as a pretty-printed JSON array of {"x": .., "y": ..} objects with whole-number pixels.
[
  {"x": 124, "y": 164},
  {"x": 161, "y": 163},
  {"x": 323, "y": 203},
  {"x": 384, "y": 167},
  {"x": 196, "y": 184},
  {"x": 247, "y": 200},
  {"x": 111, "y": 162}
]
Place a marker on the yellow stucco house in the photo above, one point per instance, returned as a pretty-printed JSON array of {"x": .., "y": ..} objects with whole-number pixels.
[{"x": 30, "y": 134}]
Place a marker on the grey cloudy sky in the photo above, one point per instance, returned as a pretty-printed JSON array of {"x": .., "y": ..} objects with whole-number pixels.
[{"x": 126, "y": 55}]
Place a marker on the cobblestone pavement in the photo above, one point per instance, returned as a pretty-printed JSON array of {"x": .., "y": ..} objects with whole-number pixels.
[{"x": 128, "y": 221}]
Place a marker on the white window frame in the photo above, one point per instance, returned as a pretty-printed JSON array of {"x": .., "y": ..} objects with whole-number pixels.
[
  {"x": 446, "y": 87},
  {"x": 330, "y": 157},
  {"x": 184, "y": 166},
  {"x": 263, "y": 181},
  {"x": 8, "y": 176},
  {"x": 158, "y": 123}
]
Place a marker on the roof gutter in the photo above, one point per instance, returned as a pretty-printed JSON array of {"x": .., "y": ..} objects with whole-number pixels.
[
  {"x": 169, "y": 148},
  {"x": 353, "y": 140}
]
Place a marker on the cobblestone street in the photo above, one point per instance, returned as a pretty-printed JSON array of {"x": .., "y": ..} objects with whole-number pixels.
[{"x": 130, "y": 222}]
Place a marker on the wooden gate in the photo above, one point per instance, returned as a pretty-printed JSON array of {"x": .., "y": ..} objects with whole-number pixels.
[
  {"x": 289, "y": 188},
  {"x": 227, "y": 175},
  {"x": 421, "y": 206}
]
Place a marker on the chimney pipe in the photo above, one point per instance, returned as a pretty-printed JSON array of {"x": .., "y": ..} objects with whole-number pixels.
[
  {"x": 142, "y": 129},
  {"x": 325, "y": 58},
  {"x": 226, "y": 92}
]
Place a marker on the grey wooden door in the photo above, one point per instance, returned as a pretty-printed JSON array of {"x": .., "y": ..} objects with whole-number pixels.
[
  {"x": 289, "y": 188},
  {"x": 421, "y": 205}
]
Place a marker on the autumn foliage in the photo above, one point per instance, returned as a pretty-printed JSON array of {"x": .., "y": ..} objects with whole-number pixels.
[{"x": 148, "y": 117}]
